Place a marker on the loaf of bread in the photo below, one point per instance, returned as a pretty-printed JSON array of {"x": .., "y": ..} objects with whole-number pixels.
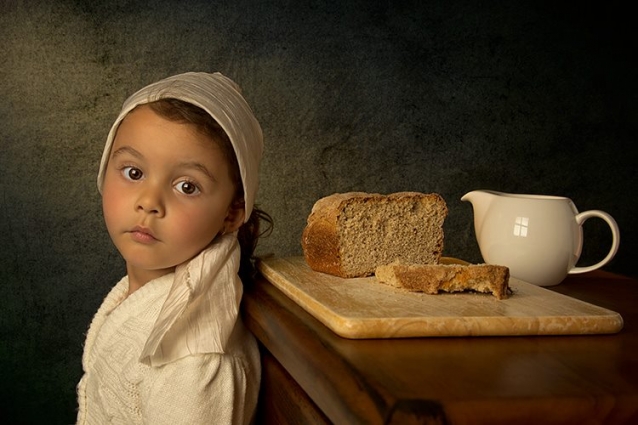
[
  {"x": 435, "y": 278},
  {"x": 351, "y": 234}
]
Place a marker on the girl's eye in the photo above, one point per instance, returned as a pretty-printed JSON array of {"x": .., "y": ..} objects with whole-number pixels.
[
  {"x": 187, "y": 188},
  {"x": 132, "y": 173}
]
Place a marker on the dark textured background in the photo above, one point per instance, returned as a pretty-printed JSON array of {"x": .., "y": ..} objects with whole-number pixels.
[{"x": 383, "y": 96}]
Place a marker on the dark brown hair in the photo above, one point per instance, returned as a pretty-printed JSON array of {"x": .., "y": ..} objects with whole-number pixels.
[{"x": 249, "y": 233}]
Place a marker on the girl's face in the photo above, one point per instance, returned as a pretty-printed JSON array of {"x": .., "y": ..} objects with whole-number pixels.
[{"x": 167, "y": 193}]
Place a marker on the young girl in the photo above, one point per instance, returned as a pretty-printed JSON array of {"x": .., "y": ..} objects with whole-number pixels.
[{"x": 178, "y": 179}]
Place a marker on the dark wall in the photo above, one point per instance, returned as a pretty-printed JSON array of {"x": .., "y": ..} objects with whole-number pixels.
[{"x": 380, "y": 96}]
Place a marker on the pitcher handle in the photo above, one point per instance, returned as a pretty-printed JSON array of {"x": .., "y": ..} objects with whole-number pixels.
[{"x": 615, "y": 233}]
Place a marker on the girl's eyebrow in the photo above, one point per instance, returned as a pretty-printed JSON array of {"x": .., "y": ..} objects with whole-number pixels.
[
  {"x": 129, "y": 150},
  {"x": 198, "y": 166}
]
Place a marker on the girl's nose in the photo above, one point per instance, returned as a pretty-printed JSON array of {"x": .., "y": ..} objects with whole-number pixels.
[{"x": 150, "y": 201}]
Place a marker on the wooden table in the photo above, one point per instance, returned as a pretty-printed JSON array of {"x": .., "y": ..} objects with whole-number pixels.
[{"x": 311, "y": 375}]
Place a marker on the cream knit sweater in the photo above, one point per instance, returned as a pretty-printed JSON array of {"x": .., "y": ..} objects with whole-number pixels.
[{"x": 197, "y": 389}]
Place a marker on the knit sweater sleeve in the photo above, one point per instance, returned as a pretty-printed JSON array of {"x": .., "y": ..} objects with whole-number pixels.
[{"x": 201, "y": 389}]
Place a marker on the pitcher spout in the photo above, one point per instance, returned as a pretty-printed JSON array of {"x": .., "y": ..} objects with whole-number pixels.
[{"x": 480, "y": 200}]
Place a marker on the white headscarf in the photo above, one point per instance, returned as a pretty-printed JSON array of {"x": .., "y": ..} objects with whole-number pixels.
[{"x": 201, "y": 309}]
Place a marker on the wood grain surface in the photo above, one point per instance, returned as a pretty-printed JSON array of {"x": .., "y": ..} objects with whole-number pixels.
[{"x": 364, "y": 308}]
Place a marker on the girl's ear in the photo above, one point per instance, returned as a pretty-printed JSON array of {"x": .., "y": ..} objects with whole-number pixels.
[{"x": 235, "y": 217}]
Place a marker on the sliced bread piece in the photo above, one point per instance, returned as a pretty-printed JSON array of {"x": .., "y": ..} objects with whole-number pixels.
[{"x": 435, "y": 278}]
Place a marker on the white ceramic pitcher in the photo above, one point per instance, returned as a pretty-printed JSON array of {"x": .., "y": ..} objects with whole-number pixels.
[{"x": 538, "y": 237}]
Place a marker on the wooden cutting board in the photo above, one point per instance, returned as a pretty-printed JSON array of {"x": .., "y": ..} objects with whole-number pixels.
[{"x": 365, "y": 308}]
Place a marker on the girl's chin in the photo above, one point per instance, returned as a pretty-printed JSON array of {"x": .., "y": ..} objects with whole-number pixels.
[{"x": 146, "y": 270}]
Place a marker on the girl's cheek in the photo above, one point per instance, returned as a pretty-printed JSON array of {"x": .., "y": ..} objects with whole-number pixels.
[{"x": 111, "y": 199}]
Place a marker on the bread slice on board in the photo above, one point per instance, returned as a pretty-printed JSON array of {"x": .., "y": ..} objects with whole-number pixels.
[{"x": 435, "y": 278}]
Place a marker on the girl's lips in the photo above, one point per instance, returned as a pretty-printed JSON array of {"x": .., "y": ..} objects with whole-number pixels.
[{"x": 142, "y": 235}]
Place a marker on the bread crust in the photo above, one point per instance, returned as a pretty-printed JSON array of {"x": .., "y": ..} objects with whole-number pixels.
[{"x": 320, "y": 238}]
